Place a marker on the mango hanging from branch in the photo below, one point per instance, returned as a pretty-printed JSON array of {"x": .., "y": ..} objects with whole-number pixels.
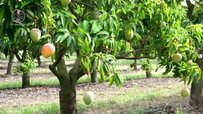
[
  {"x": 35, "y": 34},
  {"x": 48, "y": 50}
]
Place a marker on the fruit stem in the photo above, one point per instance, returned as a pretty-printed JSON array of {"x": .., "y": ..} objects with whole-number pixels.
[
  {"x": 35, "y": 23},
  {"x": 185, "y": 85}
]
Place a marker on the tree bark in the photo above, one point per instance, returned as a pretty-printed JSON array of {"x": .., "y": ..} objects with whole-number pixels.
[
  {"x": 134, "y": 65},
  {"x": 25, "y": 80},
  {"x": 190, "y": 7},
  {"x": 94, "y": 76},
  {"x": 67, "y": 97},
  {"x": 67, "y": 94},
  {"x": 148, "y": 74},
  {"x": 39, "y": 61},
  {"x": 10, "y": 64},
  {"x": 196, "y": 94}
]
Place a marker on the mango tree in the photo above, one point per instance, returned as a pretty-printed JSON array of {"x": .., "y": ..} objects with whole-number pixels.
[
  {"x": 10, "y": 64},
  {"x": 17, "y": 34},
  {"x": 195, "y": 14},
  {"x": 5, "y": 47},
  {"x": 160, "y": 29},
  {"x": 94, "y": 29},
  {"x": 192, "y": 24}
]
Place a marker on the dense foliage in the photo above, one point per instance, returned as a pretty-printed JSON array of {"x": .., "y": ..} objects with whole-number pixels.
[
  {"x": 98, "y": 30},
  {"x": 160, "y": 29}
]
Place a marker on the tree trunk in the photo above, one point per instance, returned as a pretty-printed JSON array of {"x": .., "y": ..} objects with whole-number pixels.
[
  {"x": 26, "y": 80},
  {"x": 67, "y": 97},
  {"x": 190, "y": 7},
  {"x": 148, "y": 74},
  {"x": 67, "y": 94},
  {"x": 39, "y": 61},
  {"x": 196, "y": 94},
  {"x": 94, "y": 76},
  {"x": 10, "y": 64},
  {"x": 134, "y": 65}
]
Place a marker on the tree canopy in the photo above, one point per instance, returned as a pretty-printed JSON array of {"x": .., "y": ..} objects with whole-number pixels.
[{"x": 98, "y": 30}]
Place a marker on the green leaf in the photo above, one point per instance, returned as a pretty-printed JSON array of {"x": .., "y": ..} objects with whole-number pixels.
[
  {"x": 141, "y": 5},
  {"x": 172, "y": 49},
  {"x": 106, "y": 69},
  {"x": 95, "y": 28},
  {"x": 111, "y": 81},
  {"x": 1, "y": 30},
  {"x": 69, "y": 41},
  {"x": 86, "y": 63},
  {"x": 103, "y": 33},
  {"x": 141, "y": 25},
  {"x": 84, "y": 26},
  {"x": 150, "y": 13},
  {"x": 2, "y": 14},
  {"x": 62, "y": 20}
]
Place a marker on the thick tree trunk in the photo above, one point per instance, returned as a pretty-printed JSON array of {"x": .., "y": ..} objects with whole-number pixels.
[
  {"x": 10, "y": 64},
  {"x": 94, "y": 76},
  {"x": 67, "y": 97},
  {"x": 67, "y": 81},
  {"x": 25, "y": 80},
  {"x": 197, "y": 88},
  {"x": 148, "y": 74}
]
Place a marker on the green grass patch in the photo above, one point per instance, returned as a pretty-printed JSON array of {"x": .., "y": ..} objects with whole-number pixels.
[
  {"x": 132, "y": 101},
  {"x": 48, "y": 108},
  {"x": 54, "y": 81},
  {"x": 139, "y": 62},
  {"x": 18, "y": 84}
]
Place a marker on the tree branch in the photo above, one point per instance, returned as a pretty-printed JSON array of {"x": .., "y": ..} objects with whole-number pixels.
[
  {"x": 54, "y": 71},
  {"x": 58, "y": 58},
  {"x": 72, "y": 11},
  {"x": 137, "y": 51},
  {"x": 76, "y": 70},
  {"x": 18, "y": 56},
  {"x": 135, "y": 58},
  {"x": 83, "y": 3},
  {"x": 190, "y": 7},
  {"x": 24, "y": 55}
]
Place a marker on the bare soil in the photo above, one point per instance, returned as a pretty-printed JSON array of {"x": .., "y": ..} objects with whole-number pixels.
[{"x": 49, "y": 94}]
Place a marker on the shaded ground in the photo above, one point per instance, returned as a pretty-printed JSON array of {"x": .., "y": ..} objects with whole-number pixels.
[
  {"x": 40, "y": 95},
  {"x": 46, "y": 94}
]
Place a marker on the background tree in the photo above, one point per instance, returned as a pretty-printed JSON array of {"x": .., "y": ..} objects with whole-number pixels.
[
  {"x": 10, "y": 64},
  {"x": 195, "y": 14},
  {"x": 17, "y": 20},
  {"x": 6, "y": 49}
]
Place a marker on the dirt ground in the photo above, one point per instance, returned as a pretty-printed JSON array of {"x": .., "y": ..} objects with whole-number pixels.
[
  {"x": 49, "y": 94},
  {"x": 45, "y": 94}
]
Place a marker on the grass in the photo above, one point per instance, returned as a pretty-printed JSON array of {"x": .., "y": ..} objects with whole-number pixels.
[
  {"x": 53, "y": 81},
  {"x": 134, "y": 98},
  {"x": 139, "y": 62},
  {"x": 48, "y": 108},
  {"x": 18, "y": 84},
  {"x": 132, "y": 102}
]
